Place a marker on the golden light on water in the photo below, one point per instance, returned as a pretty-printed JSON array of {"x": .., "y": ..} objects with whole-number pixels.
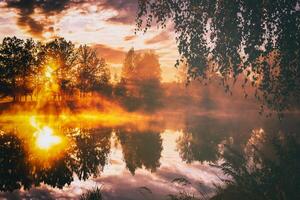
[{"x": 45, "y": 138}]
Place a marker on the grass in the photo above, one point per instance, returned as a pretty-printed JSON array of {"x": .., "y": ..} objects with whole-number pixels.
[
  {"x": 182, "y": 196},
  {"x": 93, "y": 194}
]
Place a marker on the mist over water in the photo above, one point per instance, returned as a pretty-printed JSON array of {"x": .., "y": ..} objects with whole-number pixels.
[{"x": 149, "y": 150}]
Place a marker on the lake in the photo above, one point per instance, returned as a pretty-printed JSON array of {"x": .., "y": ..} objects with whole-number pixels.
[{"x": 129, "y": 156}]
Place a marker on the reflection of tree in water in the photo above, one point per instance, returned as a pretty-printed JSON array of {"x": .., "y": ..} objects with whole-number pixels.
[
  {"x": 203, "y": 136},
  {"x": 140, "y": 149},
  {"x": 87, "y": 156},
  {"x": 14, "y": 168},
  {"x": 200, "y": 140},
  {"x": 58, "y": 175},
  {"x": 91, "y": 151}
]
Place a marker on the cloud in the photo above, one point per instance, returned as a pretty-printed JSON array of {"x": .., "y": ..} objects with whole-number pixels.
[
  {"x": 111, "y": 55},
  {"x": 126, "y": 10},
  {"x": 26, "y": 9},
  {"x": 35, "y": 16},
  {"x": 163, "y": 36},
  {"x": 129, "y": 37},
  {"x": 121, "y": 19}
]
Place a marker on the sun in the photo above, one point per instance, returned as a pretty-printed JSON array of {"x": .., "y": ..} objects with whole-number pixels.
[
  {"x": 48, "y": 72},
  {"x": 45, "y": 138}
]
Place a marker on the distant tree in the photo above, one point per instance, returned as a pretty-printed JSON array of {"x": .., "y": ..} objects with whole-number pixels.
[
  {"x": 182, "y": 74},
  {"x": 147, "y": 66},
  {"x": 141, "y": 76},
  {"x": 252, "y": 38},
  {"x": 17, "y": 63},
  {"x": 128, "y": 70},
  {"x": 148, "y": 78},
  {"x": 120, "y": 89}
]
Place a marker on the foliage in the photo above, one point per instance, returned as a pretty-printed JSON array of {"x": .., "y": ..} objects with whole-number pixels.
[
  {"x": 94, "y": 194},
  {"x": 23, "y": 64},
  {"x": 17, "y": 64},
  {"x": 256, "y": 39},
  {"x": 91, "y": 151},
  {"x": 182, "y": 196},
  {"x": 92, "y": 73}
]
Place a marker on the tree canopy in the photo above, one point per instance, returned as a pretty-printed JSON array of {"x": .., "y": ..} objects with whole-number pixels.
[
  {"x": 17, "y": 63},
  {"x": 55, "y": 68},
  {"x": 256, "y": 39}
]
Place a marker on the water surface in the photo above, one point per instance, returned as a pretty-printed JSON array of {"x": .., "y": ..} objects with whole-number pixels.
[{"x": 135, "y": 159}]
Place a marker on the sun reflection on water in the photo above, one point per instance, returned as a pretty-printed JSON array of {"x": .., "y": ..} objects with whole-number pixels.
[{"x": 45, "y": 138}]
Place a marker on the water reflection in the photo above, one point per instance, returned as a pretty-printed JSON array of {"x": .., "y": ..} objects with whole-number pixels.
[
  {"x": 140, "y": 149},
  {"x": 90, "y": 151},
  {"x": 145, "y": 151},
  {"x": 14, "y": 166},
  {"x": 201, "y": 139},
  {"x": 85, "y": 155}
]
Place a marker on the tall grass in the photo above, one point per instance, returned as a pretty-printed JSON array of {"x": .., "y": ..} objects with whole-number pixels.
[{"x": 93, "y": 194}]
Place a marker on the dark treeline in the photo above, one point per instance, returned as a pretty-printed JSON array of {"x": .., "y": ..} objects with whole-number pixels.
[
  {"x": 58, "y": 71},
  {"x": 56, "y": 68}
]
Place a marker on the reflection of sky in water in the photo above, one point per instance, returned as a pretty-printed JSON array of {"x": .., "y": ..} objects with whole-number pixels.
[{"x": 118, "y": 183}]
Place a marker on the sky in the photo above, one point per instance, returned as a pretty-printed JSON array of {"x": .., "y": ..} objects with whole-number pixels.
[{"x": 108, "y": 26}]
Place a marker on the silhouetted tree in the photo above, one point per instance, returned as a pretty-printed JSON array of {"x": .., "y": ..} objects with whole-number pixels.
[
  {"x": 55, "y": 69},
  {"x": 120, "y": 89},
  {"x": 255, "y": 39},
  {"x": 58, "y": 174},
  {"x": 92, "y": 72},
  {"x": 64, "y": 53},
  {"x": 17, "y": 63}
]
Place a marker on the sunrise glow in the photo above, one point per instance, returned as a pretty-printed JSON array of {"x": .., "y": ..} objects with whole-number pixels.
[
  {"x": 146, "y": 99},
  {"x": 48, "y": 72}
]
